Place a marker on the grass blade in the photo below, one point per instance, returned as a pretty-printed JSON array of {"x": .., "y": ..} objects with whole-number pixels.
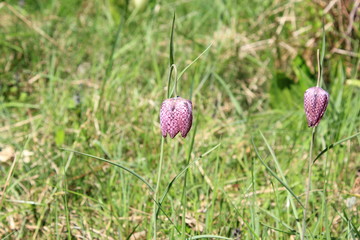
[
  {"x": 130, "y": 171},
  {"x": 353, "y": 226},
  {"x": 171, "y": 56},
  {"x": 277, "y": 219},
  {"x": 279, "y": 230},
  {"x": 11, "y": 173},
  {"x": 183, "y": 171},
  {"x": 184, "y": 70},
  {"x": 274, "y": 174},
  {"x": 172, "y": 61},
  {"x": 282, "y": 182},
  {"x": 333, "y": 145},
  {"x": 323, "y": 48},
  {"x": 133, "y": 231},
  {"x": 115, "y": 164},
  {"x": 110, "y": 62},
  {"x": 349, "y": 222},
  {"x": 237, "y": 106},
  {"x": 184, "y": 192},
  {"x": 208, "y": 236},
  {"x": 8, "y": 235}
]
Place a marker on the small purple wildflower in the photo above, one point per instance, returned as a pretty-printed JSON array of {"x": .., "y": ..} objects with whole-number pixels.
[
  {"x": 316, "y": 100},
  {"x": 176, "y": 116}
]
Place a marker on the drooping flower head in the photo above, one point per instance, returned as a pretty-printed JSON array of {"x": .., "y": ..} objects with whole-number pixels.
[
  {"x": 316, "y": 100},
  {"x": 176, "y": 116}
]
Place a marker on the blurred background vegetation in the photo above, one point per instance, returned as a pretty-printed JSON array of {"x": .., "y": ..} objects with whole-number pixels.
[{"x": 91, "y": 76}]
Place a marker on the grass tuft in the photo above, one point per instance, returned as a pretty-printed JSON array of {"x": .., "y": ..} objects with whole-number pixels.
[{"x": 91, "y": 76}]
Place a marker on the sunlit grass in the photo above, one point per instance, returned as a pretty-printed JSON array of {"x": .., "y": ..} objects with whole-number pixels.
[{"x": 69, "y": 80}]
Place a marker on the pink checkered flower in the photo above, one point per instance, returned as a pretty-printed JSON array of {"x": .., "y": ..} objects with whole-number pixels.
[
  {"x": 315, "y": 102},
  {"x": 176, "y": 116}
]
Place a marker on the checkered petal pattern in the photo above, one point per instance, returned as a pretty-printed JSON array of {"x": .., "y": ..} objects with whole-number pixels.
[
  {"x": 316, "y": 100},
  {"x": 176, "y": 116}
]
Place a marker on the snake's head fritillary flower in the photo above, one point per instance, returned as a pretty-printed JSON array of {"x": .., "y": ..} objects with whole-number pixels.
[
  {"x": 315, "y": 102},
  {"x": 176, "y": 116}
]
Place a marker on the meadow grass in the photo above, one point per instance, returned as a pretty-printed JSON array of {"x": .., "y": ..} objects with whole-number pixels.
[{"x": 81, "y": 86}]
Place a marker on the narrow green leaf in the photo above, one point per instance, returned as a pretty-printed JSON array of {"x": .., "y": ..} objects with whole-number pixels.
[
  {"x": 353, "y": 82},
  {"x": 240, "y": 214},
  {"x": 184, "y": 70},
  {"x": 59, "y": 137},
  {"x": 130, "y": 171},
  {"x": 115, "y": 164},
  {"x": 351, "y": 224},
  {"x": 236, "y": 104},
  {"x": 183, "y": 171},
  {"x": 274, "y": 174},
  {"x": 171, "y": 56},
  {"x": 348, "y": 221},
  {"x": 278, "y": 219},
  {"x": 279, "y": 230},
  {"x": 110, "y": 61},
  {"x": 333, "y": 145},
  {"x": 197, "y": 58},
  {"x": 283, "y": 180},
  {"x": 208, "y": 236},
  {"x": 8, "y": 235},
  {"x": 323, "y": 48},
  {"x": 172, "y": 61},
  {"x": 133, "y": 231},
  {"x": 87, "y": 197}
]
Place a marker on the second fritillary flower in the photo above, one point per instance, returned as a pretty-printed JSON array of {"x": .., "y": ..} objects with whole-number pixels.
[{"x": 315, "y": 102}]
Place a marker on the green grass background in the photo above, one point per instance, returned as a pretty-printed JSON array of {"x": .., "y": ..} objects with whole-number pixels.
[{"x": 91, "y": 75}]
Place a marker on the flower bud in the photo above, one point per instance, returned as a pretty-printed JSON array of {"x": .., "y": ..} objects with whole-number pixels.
[
  {"x": 176, "y": 116},
  {"x": 315, "y": 102}
]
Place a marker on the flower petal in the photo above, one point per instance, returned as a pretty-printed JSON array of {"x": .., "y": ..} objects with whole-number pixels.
[
  {"x": 175, "y": 117},
  {"x": 315, "y": 102}
]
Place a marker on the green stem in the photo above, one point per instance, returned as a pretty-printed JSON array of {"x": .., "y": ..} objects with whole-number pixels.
[
  {"x": 110, "y": 63},
  {"x": 169, "y": 93},
  {"x": 308, "y": 188},
  {"x": 183, "y": 198},
  {"x": 157, "y": 186},
  {"x": 183, "y": 201},
  {"x": 176, "y": 81},
  {"x": 319, "y": 68}
]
